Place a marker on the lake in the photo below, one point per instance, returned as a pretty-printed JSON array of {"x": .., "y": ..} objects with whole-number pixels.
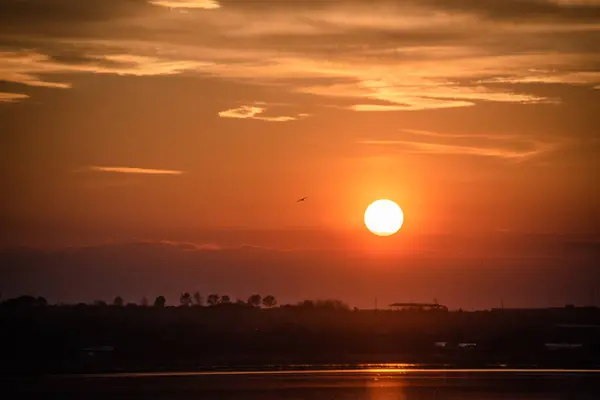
[{"x": 317, "y": 384}]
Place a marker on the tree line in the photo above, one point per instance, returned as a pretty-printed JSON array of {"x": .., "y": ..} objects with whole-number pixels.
[
  {"x": 195, "y": 299},
  {"x": 188, "y": 300}
]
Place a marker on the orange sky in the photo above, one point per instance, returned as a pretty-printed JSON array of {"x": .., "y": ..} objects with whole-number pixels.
[{"x": 203, "y": 121}]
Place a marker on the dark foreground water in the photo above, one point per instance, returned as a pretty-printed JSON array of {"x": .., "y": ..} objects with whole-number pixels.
[{"x": 349, "y": 384}]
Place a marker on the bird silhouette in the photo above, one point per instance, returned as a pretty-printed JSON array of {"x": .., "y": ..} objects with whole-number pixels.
[{"x": 302, "y": 199}]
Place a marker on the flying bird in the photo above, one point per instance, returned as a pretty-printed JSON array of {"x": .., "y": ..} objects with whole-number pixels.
[{"x": 302, "y": 199}]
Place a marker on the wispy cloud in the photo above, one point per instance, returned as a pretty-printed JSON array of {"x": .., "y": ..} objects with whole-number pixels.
[
  {"x": 550, "y": 77},
  {"x": 510, "y": 147},
  {"x": 421, "y": 92},
  {"x": 204, "y": 4},
  {"x": 241, "y": 112},
  {"x": 437, "y": 148},
  {"x": 27, "y": 67},
  {"x": 446, "y": 149},
  {"x": 446, "y": 135},
  {"x": 180, "y": 246},
  {"x": 576, "y": 2},
  {"x": 186, "y": 246},
  {"x": 131, "y": 170},
  {"x": 414, "y": 104},
  {"x": 254, "y": 112},
  {"x": 11, "y": 97}
]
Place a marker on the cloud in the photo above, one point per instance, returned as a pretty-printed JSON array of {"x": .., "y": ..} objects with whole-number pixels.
[
  {"x": 31, "y": 68},
  {"x": 204, "y": 4},
  {"x": 576, "y": 2},
  {"x": 508, "y": 147},
  {"x": 192, "y": 246},
  {"x": 533, "y": 11},
  {"x": 241, "y": 112},
  {"x": 585, "y": 78},
  {"x": 440, "y": 97},
  {"x": 445, "y": 135},
  {"x": 380, "y": 55},
  {"x": 11, "y": 97},
  {"x": 185, "y": 246},
  {"x": 64, "y": 13},
  {"x": 417, "y": 104},
  {"x": 130, "y": 170},
  {"x": 149, "y": 247},
  {"x": 436, "y": 148},
  {"x": 253, "y": 112},
  {"x": 422, "y": 88}
]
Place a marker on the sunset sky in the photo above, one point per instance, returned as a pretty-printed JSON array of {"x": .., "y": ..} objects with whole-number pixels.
[{"x": 152, "y": 147}]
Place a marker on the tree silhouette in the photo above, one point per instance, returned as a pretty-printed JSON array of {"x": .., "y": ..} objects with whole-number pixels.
[
  {"x": 185, "y": 299},
  {"x": 198, "y": 300},
  {"x": 269, "y": 301},
  {"x": 26, "y": 301},
  {"x": 160, "y": 302},
  {"x": 118, "y": 301},
  {"x": 213, "y": 299},
  {"x": 99, "y": 303},
  {"x": 254, "y": 300},
  {"x": 330, "y": 304},
  {"x": 225, "y": 299}
]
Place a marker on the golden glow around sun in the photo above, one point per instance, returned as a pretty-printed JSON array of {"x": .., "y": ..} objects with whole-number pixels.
[{"x": 384, "y": 217}]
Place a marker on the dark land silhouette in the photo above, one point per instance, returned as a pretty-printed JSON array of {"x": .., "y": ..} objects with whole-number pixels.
[{"x": 217, "y": 332}]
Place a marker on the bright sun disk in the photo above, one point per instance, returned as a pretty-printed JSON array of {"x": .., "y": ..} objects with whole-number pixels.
[{"x": 384, "y": 217}]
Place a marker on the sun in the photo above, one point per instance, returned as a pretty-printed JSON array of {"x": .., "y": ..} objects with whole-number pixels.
[{"x": 384, "y": 217}]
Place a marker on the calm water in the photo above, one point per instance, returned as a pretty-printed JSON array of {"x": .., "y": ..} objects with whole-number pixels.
[{"x": 363, "y": 384}]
